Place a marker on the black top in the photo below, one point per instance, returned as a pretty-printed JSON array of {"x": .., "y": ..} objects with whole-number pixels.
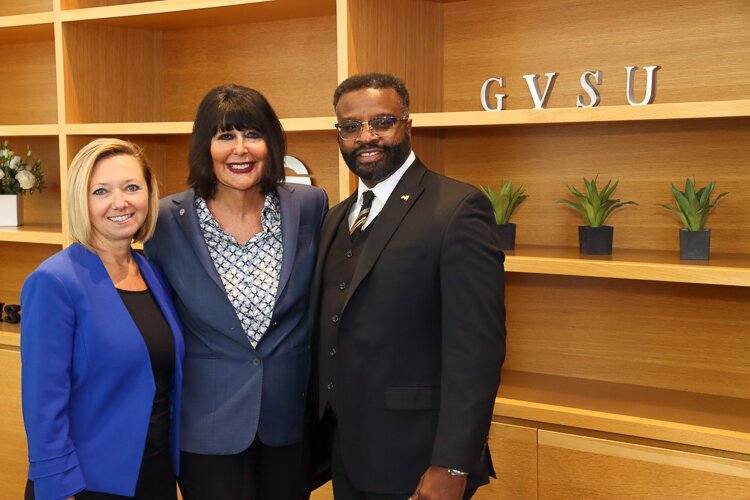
[{"x": 160, "y": 343}]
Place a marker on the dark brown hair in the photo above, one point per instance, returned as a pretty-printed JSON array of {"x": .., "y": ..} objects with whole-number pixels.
[{"x": 234, "y": 107}]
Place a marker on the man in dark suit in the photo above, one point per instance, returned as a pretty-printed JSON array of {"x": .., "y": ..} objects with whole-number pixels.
[{"x": 410, "y": 326}]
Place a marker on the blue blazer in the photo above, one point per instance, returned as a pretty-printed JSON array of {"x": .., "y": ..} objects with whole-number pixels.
[
  {"x": 86, "y": 377},
  {"x": 233, "y": 392}
]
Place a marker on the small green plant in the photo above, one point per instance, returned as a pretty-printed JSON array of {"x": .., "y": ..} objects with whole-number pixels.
[
  {"x": 506, "y": 201},
  {"x": 693, "y": 206},
  {"x": 595, "y": 205}
]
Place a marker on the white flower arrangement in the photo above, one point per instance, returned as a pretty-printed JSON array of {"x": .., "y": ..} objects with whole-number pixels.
[{"x": 16, "y": 175}]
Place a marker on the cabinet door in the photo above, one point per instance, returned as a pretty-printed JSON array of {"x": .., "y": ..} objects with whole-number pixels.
[
  {"x": 574, "y": 467},
  {"x": 13, "y": 457},
  {"x": 514, "y": 453}
]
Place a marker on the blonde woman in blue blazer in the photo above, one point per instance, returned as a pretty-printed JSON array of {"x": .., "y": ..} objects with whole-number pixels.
[{"x": 101, "y": 345}]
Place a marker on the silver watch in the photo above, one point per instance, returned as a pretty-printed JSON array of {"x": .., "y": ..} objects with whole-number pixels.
[{"x": 456, "y": 472}]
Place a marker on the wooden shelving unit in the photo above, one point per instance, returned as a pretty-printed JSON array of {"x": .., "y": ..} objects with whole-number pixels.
[{"x": 631, "y": 366}]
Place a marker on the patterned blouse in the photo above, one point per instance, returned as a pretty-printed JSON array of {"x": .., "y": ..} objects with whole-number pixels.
[{"x": 250, "y": 272}]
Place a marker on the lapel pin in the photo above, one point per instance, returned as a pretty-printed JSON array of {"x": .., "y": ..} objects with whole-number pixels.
[
  {"x": 182, "y": 211},
  {"x": 405, "y": 197}
]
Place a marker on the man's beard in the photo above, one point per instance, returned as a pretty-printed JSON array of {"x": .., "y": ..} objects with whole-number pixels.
[{"x": 372, "y": 173}]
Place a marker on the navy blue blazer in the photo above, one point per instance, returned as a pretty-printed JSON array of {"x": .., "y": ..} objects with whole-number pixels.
[
  {"x": 87, "y": 383},
  {"x": 233, "y": 392}
]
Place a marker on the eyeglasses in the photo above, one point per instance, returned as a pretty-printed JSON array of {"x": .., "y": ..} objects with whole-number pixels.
[{"x": 380, "y": 126}]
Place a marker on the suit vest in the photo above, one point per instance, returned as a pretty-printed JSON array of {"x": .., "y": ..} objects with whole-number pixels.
[{"x": 338, "y": 270}]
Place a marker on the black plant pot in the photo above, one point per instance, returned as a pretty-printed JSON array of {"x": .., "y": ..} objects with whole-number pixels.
[
  {"x": 506, "y": 233},
  {"x": 595, "y": 240},
  {"x": 695, "y": 245}
]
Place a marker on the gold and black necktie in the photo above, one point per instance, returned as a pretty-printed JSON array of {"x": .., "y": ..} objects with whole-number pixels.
[{"x": 359, "y": 222}]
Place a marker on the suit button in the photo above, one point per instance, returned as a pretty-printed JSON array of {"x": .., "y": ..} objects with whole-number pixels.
[
  {"x": 256, "y": 362},
  {"x": 332, "y": 352},
  {"x": 329, "y": 386},
  {"x": 335, "y": 318},
  {"x": 349, "y": 254},
  {"x": 342, "y": 286}
]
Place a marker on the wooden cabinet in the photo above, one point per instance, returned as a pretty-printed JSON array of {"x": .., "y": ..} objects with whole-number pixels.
[
  {"x": 638, "y": 344},
  {"x": 573, "y": 466}
]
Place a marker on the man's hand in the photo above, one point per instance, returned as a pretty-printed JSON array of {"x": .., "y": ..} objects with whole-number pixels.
[{"x": 437, "y": 484}]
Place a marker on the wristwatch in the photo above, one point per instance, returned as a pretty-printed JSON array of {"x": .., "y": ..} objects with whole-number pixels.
[{"x": 456, "y": 472}]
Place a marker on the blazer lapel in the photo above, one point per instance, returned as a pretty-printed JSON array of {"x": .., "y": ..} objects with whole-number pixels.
[
  {"x": 403, "y": 197},
  {"x": 183, "y": 211},
  {"x": 290, "y": 215}
]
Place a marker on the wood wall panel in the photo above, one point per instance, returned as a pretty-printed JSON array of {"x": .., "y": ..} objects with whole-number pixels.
[
  {"x": 646, "y": 159},
  {"x": 319, "y": 152},
  {"x": 13, "y": 461},
  {"x": 485, "y": 38},
  {"x": 27, "y": 83},
  {"x": 292, "y": 62},
  {"x": 664, "y": 335},
  {"x": 404, "y": 38},
  {"x": 14, "y": 7},
  {"x": 113, "y": 74},
  {"x": 19, "y": 260},
  {"x": 514, "y": 454}
]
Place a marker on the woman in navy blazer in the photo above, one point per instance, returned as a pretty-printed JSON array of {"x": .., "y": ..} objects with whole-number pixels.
[
  {"x": 238, "y": 248},
  {"x": 101, "y": 345}
]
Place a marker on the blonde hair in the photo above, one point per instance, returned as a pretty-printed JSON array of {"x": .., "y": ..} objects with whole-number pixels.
[{"x": 79, "y": 175}]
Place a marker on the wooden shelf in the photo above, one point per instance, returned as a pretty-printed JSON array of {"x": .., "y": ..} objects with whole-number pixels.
[
  {"x": 40, "y": 18},
  {"x": 29, "y": 130},
  {"x": 10, "y": 334},
  {"x": 666, "y": 111},
  {"x": 179, "y": 128},
  {"x": 722, "y": 269},
  {"x": 666, "y": 415},
  {"x": 33, "y": 233},
  {"x": 181, "y": 14}
]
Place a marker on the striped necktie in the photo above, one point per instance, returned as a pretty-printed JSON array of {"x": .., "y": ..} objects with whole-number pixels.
[{"x": 359, "y": 222}]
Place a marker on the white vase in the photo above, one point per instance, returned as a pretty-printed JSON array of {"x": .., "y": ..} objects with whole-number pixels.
[{"x": 11, "y": 210}]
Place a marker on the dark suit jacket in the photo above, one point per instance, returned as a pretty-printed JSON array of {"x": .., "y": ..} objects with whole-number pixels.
[
  {"x": 226, "y": 379},
  {"x": 421, "y": 335},
  {"x": 87, "y": 382}
]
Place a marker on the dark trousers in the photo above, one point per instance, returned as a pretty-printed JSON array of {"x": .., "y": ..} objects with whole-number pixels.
[
  {"x": 259, "y": 473},
  {"x": 156, "y": 481}
]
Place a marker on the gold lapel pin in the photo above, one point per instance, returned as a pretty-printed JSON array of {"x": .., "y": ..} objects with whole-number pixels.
[{"x": 405, "y": 197}]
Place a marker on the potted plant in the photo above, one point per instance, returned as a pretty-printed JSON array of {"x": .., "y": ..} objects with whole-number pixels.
[
  {"x": 693, "y": 207},
  {"x": 504, "y": 204},
  {"x": 595, "y": 206},
  {"x": 17, "y": 178}
]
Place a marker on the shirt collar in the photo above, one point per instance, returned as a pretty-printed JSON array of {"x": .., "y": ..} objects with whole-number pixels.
[
  {"x": 383, "y": 189},
  {"x": 270, "y": 215}
]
